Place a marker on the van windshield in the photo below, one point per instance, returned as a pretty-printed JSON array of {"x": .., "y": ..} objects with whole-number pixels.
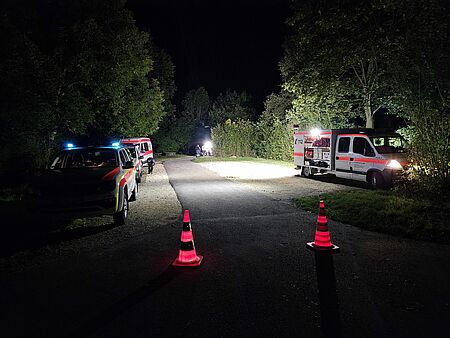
[{"x": 388, "y": 144}]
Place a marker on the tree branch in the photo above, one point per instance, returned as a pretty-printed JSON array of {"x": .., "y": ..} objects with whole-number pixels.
[
  {"x": 380, "y": 106},
  {"x": 357, "y": 75},
  {"x": 363, "y": 74}
]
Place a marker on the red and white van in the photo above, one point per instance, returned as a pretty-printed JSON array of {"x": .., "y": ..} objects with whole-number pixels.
[
  {"x": 358, "y": 154},
  {"x": 145, "y": 148}
]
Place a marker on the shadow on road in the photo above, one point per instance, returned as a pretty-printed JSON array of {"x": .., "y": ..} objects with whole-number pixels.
[
  {"x": 126, "y": 303},
  {"x": 326, "y": 282},
  {"x": 24, "y": 229}
]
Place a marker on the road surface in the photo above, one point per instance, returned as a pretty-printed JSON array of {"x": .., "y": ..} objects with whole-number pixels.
[{"x": 257, "y": 277}]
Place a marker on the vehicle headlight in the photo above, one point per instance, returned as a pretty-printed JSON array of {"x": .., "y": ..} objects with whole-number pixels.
[{"x": 394, "y": 164}]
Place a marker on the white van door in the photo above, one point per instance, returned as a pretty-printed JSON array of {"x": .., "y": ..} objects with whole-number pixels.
[
  {"x": 342, "y": 157},
  {"x": 362, "y": 157},
  {"x": 299, "y": 149}
]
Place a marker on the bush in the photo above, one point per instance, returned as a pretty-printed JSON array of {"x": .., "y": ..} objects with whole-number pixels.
[
  {"x": 234, "y": 138},
  {"x": 274, "y": 139},
  {"x": 428, "y": 138}
]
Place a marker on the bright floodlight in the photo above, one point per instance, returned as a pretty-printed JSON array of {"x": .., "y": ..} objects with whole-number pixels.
[
  {"x": 115, "y": 144},
  {"x": 315, "y": 132},
  {"x": 207, "y": 145},
  {"x": 69, "y": 145}
]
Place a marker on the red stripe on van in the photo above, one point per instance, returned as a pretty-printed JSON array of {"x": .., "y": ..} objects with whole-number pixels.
[{"x": 370, "y": 160}]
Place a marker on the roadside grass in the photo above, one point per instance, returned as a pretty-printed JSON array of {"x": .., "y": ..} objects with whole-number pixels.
[
  {"x": 242, "y": 159},
  {"x": 16, "y": 193},
  {"x": 386, "y": 211}
]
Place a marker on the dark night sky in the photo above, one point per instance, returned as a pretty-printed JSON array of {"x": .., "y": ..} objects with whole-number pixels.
[{"x": 219, "y": 45}]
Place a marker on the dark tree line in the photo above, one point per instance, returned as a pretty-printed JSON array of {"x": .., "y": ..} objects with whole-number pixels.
[
  {"x": 76, "y": 68},
  {"x": 198, "y": 110}
]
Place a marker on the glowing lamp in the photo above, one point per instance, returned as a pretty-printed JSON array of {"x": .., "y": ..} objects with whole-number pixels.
[
  {"x": 208, "y": 145},
  {"x": 69, "y": 145},
  {"x": 394, "y": 164},
  {"x": 315, "y": 132},
  {"x": 115, "y": 144}
]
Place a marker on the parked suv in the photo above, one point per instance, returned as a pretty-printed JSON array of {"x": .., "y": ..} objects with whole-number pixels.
[{"x": 89, "y": 181}]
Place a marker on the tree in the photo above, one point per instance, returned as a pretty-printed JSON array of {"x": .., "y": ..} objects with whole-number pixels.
[
  {"x": 424, "y": 86},
  {"x": 231, "y": 105},
  {"x": 164, "y": 72},
  {"x": 337, "y": 61},
  {"x": 179, "y": 128},
  {"x": 85, "y": 72},
  {"x": 196, "y": 105},
  {"x": 274, "y": 129},
  {"x": 278, "y": 104}
]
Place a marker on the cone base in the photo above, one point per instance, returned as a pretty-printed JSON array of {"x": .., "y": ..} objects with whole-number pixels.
[
  {"x": 313, "y": 247},
  {"x": 193, "y": 264}
]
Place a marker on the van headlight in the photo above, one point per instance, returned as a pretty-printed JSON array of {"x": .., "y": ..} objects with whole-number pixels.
[{"x": 394, "y": 164}]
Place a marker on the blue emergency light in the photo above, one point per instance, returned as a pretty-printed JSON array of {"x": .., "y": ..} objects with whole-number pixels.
[
  {"x": 69, "y": 145},
  {"x": 115, "y": 144}
]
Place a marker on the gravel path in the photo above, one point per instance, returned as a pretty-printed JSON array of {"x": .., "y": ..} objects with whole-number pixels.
[{"x": 279, "y": 182}]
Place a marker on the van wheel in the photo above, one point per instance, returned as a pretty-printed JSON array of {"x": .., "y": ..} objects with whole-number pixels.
[
  {"x": 307, "y": 172},
  {"x": 375, "y": 180},
  {"x": 121, "y": 216}
]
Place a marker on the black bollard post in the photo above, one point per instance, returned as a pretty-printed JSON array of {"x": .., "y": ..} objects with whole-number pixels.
[{"x": 326, "y": 282}]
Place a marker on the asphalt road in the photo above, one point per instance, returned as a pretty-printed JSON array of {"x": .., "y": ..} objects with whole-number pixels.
[{"x": 257, "y": 277}]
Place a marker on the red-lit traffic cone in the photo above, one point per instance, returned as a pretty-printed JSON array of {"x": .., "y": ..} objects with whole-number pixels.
[
  {"x": 322, "y": 241},
  {"x": 187, "y": 256}
]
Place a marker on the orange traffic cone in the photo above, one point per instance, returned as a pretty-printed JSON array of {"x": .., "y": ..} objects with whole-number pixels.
[
  {"x": 187, "y": 255},
  {"x": 322, "y": 241}
]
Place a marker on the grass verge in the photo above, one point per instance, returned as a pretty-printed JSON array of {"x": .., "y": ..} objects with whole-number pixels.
[
  {"x": 386, "y": 211},
  {"x": 242, "y": 159}
]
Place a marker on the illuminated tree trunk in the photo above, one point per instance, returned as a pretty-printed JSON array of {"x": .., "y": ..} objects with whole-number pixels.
[{"x": 369, "y": 115}]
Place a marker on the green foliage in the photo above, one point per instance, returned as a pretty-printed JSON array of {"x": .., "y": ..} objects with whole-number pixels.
[
  {"x": 270, "y": 137},
  {"x": 275, "y": 139},
  {"x": 343, "y": 58},
  {"x": 231, "y": 105},
  {"x": 87, "y": 72},
  {"x": 196, "y": 104},
  {"x": 234, "y": 138},
  {"x": 425, "y": 94},
  {"x": 273, "y": 129},
  {"x": 177, "y": 130},
  {"x": 429, "y": 147},
  {"x": 278, "y": 105},
  {"x": 174, "y": 135}
]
